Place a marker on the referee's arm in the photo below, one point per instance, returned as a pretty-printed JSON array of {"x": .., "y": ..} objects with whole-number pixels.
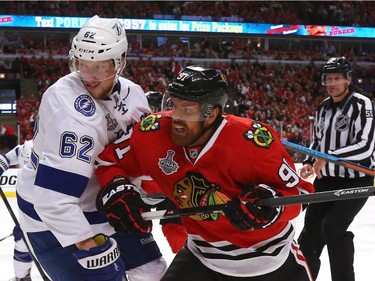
[
  {"x": 364, "y": 125},
  {"x": 314, "y": 142}
]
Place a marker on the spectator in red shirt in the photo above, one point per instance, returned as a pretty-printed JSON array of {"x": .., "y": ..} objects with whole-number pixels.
[{"x": 7, "y": 130}]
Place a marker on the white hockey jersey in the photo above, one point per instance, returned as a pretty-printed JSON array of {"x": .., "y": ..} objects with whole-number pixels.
[
  {"x": 20, "y": 155},
  {"x": 57, "y": 188}
]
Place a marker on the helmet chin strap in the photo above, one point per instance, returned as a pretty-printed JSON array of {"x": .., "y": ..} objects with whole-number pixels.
[{"x": 117, "y": 75}]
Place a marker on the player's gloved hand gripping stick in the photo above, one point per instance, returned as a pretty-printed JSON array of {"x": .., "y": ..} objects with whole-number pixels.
[
  {"x": 123, "y": 206},
  {"x": 244, "y": 214}
]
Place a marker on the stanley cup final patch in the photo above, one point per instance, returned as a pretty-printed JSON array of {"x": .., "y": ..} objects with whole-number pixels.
[
  {"x": 168, "y": 165},
  {"x": 260, "y": 135}
]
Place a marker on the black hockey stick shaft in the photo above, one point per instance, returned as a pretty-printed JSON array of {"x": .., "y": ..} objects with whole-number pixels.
[
  {"x": 5, "y": 237},
  {"x": 328, "y": 157},
  {"x": 319, "y": 197},
  {"x": 15, "y": 220}
]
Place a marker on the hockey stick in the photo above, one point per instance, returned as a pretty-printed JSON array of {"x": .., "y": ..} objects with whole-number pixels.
[
  {"x": 329, "y": 158},
  {"x": 333, "y": 195},
  {"x": 153, "y": 195},
  {"x": 2, "y": 239},
  {"x": 15, "y": 220}
]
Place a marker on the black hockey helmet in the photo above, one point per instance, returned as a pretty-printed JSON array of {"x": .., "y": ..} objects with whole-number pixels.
[
  {"x": 154, "y": 99},
  {"x": 336, "y": 65},
  {"x": 207, "y": 86}
]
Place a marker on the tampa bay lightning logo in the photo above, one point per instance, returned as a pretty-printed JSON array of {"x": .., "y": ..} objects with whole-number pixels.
[
  {"x": 85, "y": 105},
  {"x": 117, "y": 28}
]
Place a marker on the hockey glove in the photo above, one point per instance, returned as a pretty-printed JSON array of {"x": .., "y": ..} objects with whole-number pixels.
[
  {"x": 4, "y": 164},
  {"x": 123, "y": 206},
  {"x": 245, "y": 215},
  {"x": 17, "y": 233},
  {"x": 102, "y": 263}
]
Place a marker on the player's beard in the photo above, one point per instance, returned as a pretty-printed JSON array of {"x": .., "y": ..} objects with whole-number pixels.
[{"x": 185, "y": 134}]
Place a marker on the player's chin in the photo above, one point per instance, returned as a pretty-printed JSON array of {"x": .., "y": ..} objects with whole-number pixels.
[
  {"x": 98, "y": 93},
  {"x": 179, "y": 139}
]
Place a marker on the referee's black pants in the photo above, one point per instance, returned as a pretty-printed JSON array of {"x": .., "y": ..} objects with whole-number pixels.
[{"x": 327, "y": 224}]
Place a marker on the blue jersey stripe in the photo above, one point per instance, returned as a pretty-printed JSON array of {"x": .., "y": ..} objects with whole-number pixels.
[
  {"x": 60, "y": 181},
  {"x": 27, "y": 208}
]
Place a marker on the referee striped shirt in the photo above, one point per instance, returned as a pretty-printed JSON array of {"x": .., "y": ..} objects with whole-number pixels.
[{"x": 345, "y": 130}]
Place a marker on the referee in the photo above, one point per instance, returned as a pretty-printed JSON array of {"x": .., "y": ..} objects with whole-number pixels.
[{"x": 344, "y": 127}]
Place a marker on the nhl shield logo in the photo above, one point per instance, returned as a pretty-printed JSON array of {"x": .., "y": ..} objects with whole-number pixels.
[
  {"x": 342, "y": 123},
  {"x": 168, "y": 165}
]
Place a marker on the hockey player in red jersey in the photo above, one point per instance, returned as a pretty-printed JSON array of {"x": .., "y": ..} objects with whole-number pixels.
[{"x": 199, "y": 156}]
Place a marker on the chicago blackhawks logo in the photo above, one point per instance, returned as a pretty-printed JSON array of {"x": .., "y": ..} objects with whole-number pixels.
[
  {"x": 150, "y": 123},
  {"x": 260, "y": 135},
  {"x": 195, "y": 190}
]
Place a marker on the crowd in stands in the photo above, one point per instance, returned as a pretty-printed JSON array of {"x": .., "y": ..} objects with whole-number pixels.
[
  {"x": 238, "y": 48},
  {"x": 284, "y": 96},
  {"x": 8, "y": 137},
  {"x": 357, "y": 13}
]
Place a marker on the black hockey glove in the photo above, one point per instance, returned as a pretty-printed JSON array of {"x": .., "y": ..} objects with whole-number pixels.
[
  {"x": 245, "y": 215},
  {"x": 123, "y": 206}
]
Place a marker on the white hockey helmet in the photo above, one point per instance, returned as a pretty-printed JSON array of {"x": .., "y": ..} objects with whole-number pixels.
[{"x": 100, "y": 39}]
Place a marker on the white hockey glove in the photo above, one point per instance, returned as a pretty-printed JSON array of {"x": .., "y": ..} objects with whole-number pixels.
[
  {"x": 4, "y": 164},
  {"x": 102, "y": 263}
]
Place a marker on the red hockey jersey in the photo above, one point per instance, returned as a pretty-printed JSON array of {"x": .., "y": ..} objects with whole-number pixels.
[{"x": 240, "y": 152}]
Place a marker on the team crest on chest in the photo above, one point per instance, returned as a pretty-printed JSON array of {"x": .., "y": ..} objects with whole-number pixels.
[
  {"x": 342, "y": 123},
  {"x": 259, "y": 135},
  {"x": 195, "y": 190},
  {"x": 149, "y": 123},
  {"x": 168, "y": 165},
  {"x": 85, "y": 105}
]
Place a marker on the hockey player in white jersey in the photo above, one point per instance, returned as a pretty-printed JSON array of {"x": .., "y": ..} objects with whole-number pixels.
[
  {"x": 22, "y": 260},
  {"x": 79, "y": 115}
]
